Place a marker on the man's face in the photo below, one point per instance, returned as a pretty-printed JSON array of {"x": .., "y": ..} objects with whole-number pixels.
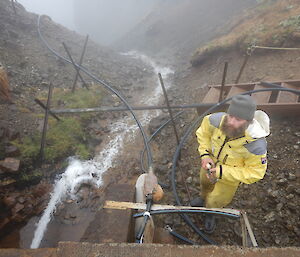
[{"x": 233, "y": 126}]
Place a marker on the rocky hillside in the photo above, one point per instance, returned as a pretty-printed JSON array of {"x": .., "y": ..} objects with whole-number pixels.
[
  {"x": 27, "y": 70},
  {"x": 257, "y": 27},
  {"x": 176, "y": 29}
]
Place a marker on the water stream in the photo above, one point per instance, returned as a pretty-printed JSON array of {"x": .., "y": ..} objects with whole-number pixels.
[{"x": 91, "y": 171}]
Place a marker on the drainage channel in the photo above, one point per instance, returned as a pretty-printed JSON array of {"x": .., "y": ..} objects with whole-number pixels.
[{"x": 78, "y": 172}]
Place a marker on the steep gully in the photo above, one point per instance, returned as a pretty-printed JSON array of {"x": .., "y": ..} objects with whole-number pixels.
[{"x": 123, "y": 132}]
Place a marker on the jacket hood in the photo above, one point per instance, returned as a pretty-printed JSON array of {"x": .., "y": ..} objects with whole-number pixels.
[{"x": 260, "y": 127}]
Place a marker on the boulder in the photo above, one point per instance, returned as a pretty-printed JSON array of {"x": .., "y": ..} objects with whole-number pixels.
[
  {"x": 9, "y": 201},
  {"x": 10, "y": 165},
  {"x": 18, "y": 207}
]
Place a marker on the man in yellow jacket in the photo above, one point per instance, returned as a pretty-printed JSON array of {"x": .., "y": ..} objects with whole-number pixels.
[{"x": 233, "y": 150}]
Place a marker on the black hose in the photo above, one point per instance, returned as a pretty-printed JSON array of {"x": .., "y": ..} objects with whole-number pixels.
[
  {"x": 149, "y": 154},
  {"x": 167, "y": 211},
  {"x": 184, "y": 239},
  {"x": 154, "y": 134},
  {"x": 184, "y": 138}
]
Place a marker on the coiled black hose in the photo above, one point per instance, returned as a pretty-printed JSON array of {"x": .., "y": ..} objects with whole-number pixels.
[
  {"x": 149, "y": 153},
  {"x": 184, "y": 138}
]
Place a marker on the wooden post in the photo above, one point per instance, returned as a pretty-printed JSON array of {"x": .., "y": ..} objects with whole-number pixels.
[
  {"x": 76, "y": 68},
  {"x": 249, "y": 229},
  {"x": 80, "y": 62},
  {"x": 244, "y": 232},
  {"x": 242, "y": 68},
  {"x": 41, "y": 155},
  {"x": 223, "y": 81},
  {"x": 40, "y": 103}
]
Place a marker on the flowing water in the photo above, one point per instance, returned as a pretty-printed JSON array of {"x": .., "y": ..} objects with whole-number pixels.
[{"x": 79, "y": 172}]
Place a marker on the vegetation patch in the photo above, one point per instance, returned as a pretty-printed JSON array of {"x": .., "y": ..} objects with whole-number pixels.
[
  {"x": 271, "y": 23},
  {"x": 66, "y": 137}
]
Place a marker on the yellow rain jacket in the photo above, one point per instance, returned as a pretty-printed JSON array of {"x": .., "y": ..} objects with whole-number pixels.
[{"x": 238, "y": 160}]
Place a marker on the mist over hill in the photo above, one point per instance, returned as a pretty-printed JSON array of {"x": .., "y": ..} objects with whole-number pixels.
[
  {"x": 178, "y": 28},
  {"x": 107, "y": 21}
]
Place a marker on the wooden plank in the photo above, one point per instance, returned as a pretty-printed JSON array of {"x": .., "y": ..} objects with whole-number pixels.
[
  {"x": 212, "y": 96},
  {"x": 244, "y": 232},
  {"x": 288, "y": 97},
  {"x": 261, "y": 97},
  {"x": 142, "y": 206},
  {"x": 249, "y": 229}
]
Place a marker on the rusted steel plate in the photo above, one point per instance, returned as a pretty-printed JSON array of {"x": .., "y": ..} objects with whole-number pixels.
[
  {"x": 287, "y": 97},
  {"x": 262, "y": 97}
]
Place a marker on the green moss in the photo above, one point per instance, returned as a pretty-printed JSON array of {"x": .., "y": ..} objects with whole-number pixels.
[
  {"x": 81, "y": 98},
  {"x": 29, "y": 147},
  {"x": 30, "y": 176},
  {"x": 65, "y": 137}
]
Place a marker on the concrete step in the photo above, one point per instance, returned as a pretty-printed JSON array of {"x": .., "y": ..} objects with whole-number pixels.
[{"x": 72, "y": 249}]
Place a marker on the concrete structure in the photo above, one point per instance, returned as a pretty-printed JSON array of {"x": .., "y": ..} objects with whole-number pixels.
[{"x": 71, "y": 249}]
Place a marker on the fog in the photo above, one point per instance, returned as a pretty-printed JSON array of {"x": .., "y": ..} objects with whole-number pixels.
[
  {"x": 108, "y": 20},
  {"x": 104, "y": 20},
  {"x": 61, "y": 11}
]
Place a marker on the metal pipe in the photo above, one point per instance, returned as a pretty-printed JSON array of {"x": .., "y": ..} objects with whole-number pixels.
[
  {"x": 168, "y": 106},
  {"x": 223, "y": 81},
  {"x": 40, "y": 103},
  {"x": 80, "y": 63},
  {"x": 135, "y": 108},
  {"x": 75, "y": 66},
  {"x": 175, "y": 130}
]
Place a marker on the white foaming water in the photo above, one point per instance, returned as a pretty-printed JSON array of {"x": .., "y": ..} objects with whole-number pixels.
[{"x": 91, "y": 171}]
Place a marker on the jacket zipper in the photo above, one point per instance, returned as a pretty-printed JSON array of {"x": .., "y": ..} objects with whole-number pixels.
[
  {"x": 225, "y": 159},
  {"x": 225, "y": 141}
]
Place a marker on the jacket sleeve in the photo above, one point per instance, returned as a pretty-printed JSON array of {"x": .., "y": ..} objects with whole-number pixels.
[
  {"x": 204, "y": 133},
  {"x": 254, "y": 170}
]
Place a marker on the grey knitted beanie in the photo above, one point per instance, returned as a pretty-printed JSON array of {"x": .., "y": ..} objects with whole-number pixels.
[{"x": 243, "y": 107}]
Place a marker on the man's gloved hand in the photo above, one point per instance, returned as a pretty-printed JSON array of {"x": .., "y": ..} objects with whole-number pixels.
[
  {"x": 206, "y": 161},
  {"x": 211, "y": 175}
]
